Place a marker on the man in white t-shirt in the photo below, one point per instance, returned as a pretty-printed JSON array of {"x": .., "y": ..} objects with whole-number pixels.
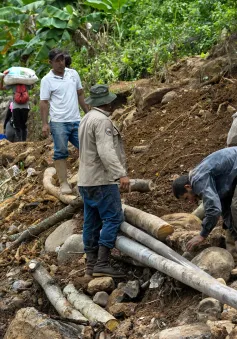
[{"x": 60, "y": 92}]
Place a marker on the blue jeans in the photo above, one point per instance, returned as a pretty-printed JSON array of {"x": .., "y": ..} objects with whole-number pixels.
[
  {"x": 103, "y": 216},
  {"x": 63, "y": 132}
]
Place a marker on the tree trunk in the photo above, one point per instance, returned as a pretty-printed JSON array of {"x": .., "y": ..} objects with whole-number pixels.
[
  {"x": 148, "y": 222},
  {"x": 141, "y": 185},
  {"x": 188, "y": 276},
  {"x": 53, "y": 292},
  {"x": 88, "y": 308},
  {"x": 34, "y": 230}
]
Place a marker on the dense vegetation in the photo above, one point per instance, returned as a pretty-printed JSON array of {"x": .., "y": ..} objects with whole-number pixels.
[{"x": 112, "y": 39}]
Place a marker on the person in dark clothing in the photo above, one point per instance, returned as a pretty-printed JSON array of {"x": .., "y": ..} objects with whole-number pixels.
[
  {"x": 19, "y": 114},
  {"x": 8, "y": 125},
  {"x": 214, "y": 181}
]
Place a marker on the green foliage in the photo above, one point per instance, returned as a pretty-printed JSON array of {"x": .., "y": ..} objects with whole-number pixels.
[{"x": 129, "y": 39}]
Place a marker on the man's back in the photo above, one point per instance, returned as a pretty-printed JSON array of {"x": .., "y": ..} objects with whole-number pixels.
[
  {"x": 102, "y": 158},
  {"x": 221, "y": 166}
]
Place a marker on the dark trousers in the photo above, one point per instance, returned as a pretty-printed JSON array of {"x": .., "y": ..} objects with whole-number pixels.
[
  {"x": 229, "y": 213},
  {"x": 10, "y": 132},
  {"x": 20, "y": 117},
  {"x": 103, "y": 216}
]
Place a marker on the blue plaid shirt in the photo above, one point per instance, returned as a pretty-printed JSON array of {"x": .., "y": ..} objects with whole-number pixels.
[{"x": 214, "y": 181}]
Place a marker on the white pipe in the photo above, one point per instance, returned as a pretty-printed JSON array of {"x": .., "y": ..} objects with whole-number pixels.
[
  {"x": 158, "y": 247},
  {"x": 188, "y": 276}
]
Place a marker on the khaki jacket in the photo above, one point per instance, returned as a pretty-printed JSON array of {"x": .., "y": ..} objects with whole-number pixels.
[{"x": 102, "y": 156}]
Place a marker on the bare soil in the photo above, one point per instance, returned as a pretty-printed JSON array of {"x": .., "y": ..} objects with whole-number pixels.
[{"x": 179, "y": 134}]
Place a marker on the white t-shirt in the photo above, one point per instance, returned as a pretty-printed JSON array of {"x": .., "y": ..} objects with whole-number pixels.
[{"x": 61, "y": 92}]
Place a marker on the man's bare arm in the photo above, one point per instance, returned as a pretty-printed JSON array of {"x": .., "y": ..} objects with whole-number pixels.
[
  {"x": 44, "y": 111},
  {"x": 81, "y": 100}
]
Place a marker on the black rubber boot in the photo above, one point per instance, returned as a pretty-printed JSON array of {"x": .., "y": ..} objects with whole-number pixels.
[
  {"x": 91, "y": 259},
  {"x": 103, "y": 268}
]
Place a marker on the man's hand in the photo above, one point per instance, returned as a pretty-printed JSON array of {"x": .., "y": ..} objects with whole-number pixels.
[
  {"x": 124, "y": 183},
  {"x": 46, "y": 130},
  {"x": 198, "y": 239}
]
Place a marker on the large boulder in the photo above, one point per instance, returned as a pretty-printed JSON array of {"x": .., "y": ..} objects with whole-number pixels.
[
  {"x": 71, "y": 249},
  {"x": 183, "y": 221},
  {"x": 197, "y": 331},
  {"x": 209, "y": 309},
  {"x": 147, "y": 96},
  {"x": 60, "y": 234},
  {"x": 29, "y": 323},
  {"x": 211, "y": 69},
  {"x": 169, "y": 97},
  {"x": 216, "y": 261}
]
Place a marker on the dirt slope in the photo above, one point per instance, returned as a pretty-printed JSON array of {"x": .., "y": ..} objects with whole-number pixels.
[{"x": 180, "y": 134}]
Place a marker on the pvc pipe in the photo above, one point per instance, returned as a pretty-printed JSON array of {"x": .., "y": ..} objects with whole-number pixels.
[
  {"x": 158, "y": 247},
  {"x": 188, "y": 276}
]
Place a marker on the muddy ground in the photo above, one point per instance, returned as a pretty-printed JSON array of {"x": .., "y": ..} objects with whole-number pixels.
[{"x": 179, "y": 134}]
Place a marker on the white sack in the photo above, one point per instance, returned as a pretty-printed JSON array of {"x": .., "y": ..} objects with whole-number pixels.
[
  {"x": 232, "y": 135},
  {"x": 20, "y": 75}
]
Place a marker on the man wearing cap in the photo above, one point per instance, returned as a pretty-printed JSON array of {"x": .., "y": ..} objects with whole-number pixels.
[
  {"x": 60, "y": 91},
  {"x": 102, "y": 167}
]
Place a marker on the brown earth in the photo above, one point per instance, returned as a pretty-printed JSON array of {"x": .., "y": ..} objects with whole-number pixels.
[
  {"x": 179, "y": 134},
  {"x": 179, "y": 137}
]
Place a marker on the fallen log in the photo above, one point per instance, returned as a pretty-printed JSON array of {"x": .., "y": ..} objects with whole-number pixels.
[
  {"x": 88, "y": 308},
  {"x": 34, "y": 230},
  {"x": 53, "y": 292},
  {"x": 148, "y": 222},
  {"x": 186, "y": 275},
  {"x": 141, "y": 185},
  {"x": 158, "y": 247},
  {"x": 53, "y": 190}
]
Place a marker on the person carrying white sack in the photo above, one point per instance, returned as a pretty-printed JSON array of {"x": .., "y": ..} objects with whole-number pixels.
[
  {"x": 21, "y": 108},
  {"x": 232, "y": 134}
]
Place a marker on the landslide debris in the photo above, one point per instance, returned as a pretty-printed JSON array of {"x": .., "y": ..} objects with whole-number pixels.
[{"x": 177, "y": 132}]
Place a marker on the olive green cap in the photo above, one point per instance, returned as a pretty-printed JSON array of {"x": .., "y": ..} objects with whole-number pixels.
[{"x": 100, "y": 95}]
